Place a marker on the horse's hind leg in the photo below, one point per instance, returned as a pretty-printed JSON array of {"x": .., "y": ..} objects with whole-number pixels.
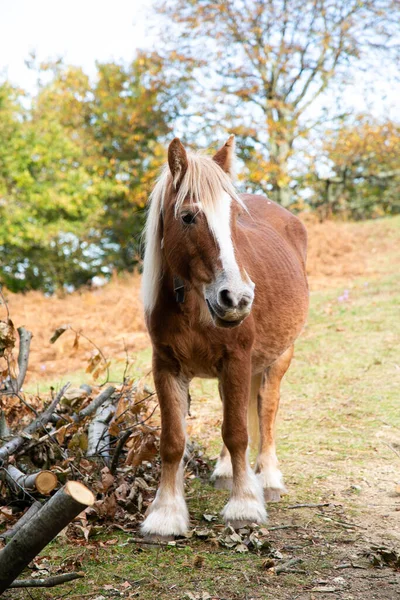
[
  {"x": 268, "y": 402},
  {"x": 246, "y": 504},
  {"x": 222, "y": 474}
]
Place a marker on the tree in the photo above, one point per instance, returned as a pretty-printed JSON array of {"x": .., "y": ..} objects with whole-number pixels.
[
  {"x": 45, "y": 199},
  {"x": 76, "y": 168},
  {"x": 120, "y": 123},
  {"x": 261, "y": 65},
  {"x": 364, "y": 162}
]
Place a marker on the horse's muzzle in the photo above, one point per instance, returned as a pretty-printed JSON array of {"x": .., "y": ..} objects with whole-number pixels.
[{"x": 227, "y": 319}]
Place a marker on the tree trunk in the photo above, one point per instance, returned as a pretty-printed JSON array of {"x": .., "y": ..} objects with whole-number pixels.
[
  {"x": 279, "y": 152},
  {"x": 56, "y": 514}
]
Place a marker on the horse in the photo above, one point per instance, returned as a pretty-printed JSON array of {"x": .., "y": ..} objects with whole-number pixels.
[{"x": 225, "y": 295}]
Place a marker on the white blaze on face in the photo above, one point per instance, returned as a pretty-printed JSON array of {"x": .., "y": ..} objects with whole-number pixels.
[{"x": 220, "y": 224}]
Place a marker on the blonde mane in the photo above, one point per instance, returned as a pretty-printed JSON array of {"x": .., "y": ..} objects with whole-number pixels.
[{"x": 204, "y": 183}]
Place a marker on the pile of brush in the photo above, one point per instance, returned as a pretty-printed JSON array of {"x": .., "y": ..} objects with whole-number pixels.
[{"x": 87, "y": 450}]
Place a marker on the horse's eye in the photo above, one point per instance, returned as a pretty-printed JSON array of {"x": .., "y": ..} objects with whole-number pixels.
[{"x": 188, "y": 218}]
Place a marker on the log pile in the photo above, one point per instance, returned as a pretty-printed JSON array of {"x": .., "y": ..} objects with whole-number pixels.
[{"x": 87, "y": 450}]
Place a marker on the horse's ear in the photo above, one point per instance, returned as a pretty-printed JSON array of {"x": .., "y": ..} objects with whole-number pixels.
[
  {"x": 177, "y": 160},
  {"x": 226, "y": 155}
]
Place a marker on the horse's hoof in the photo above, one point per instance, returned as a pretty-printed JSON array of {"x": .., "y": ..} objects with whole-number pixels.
[
  {"x": 271, "y": 495},
  {"x": 240, "y": 523},
  {"x": 223, "y": 483}
]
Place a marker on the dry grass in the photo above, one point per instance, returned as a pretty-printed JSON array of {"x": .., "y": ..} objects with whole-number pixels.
[{"x": 113, "y": 317}]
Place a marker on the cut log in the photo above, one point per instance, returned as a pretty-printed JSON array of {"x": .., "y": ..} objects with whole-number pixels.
[
  {"x": 56, "y": 514},
  {"x": 16, "y": 442},
  {"x": 43, "y": 481},
  {"x": 32, "y": 510}
]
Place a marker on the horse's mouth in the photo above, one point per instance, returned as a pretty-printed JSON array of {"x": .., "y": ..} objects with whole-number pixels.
[{"x": 221, "y": 321}]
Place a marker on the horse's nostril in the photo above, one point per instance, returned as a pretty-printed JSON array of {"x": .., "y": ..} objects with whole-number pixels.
[
  {"x": 226, "y": 299},
  {"x": 245, "y": 301}
]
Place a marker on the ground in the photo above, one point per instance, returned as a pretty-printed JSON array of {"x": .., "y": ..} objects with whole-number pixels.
[{"x": 338, "y": 443}]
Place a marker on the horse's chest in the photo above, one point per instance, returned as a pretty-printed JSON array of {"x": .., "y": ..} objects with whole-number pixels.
[{"x": 196, "y": 357}]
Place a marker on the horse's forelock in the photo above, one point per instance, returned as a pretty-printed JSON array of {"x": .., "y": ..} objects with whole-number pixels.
[{"x": 204, "y": 183}]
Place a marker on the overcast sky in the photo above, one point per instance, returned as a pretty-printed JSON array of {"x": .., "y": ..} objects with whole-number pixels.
[{"x": 83, "y": 31}]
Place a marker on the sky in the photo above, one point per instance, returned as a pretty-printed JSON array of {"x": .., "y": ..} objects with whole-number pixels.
[{"x": 83, "y": 31}]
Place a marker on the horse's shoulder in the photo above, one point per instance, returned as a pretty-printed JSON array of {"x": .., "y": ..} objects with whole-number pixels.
[{"x": 266, "y": 212}]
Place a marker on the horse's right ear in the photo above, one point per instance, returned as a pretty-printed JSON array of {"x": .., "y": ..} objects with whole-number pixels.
[{"x": 177, "y": 160}]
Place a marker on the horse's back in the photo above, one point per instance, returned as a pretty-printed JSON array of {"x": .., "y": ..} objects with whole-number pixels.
[{"x": 264, "y": 215}]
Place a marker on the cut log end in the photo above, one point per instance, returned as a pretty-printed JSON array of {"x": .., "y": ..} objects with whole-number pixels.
[
  {"x": 79, "y": 492},
  {"x": 46, "y": 482}
]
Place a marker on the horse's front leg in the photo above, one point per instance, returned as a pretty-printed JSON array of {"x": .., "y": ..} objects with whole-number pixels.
[
  {"x": 168, "y": 514},
  {"x": 246, "y": 504}
]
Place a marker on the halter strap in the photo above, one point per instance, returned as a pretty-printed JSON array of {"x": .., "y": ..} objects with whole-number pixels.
[{"x": 179, "y": 289}]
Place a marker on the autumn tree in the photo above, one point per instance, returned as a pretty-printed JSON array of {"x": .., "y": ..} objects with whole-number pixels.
[
  {"x": 76, "y": 168},
  {"x": 120, "y": 122},
  {"x": 363, "y": 162},
  {"x": 260, "y": 66}
]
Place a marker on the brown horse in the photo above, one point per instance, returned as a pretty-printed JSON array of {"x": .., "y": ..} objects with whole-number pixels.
[{"x": 225, "y": 295}]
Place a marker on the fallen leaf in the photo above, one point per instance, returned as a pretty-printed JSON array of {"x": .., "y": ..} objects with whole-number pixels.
[
  {"x": 94, "y": 360},
  {"x": 58, "y": 333},
  {"x": 106, "y": 479},
  {"x": 7, "y": 337},
  {"x": 146, "y": 451}
]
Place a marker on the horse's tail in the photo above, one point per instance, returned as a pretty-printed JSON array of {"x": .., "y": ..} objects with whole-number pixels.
[{"x": 252, "y": 418}]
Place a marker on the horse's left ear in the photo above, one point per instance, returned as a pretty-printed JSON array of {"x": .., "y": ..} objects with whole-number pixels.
[{"x": 226, "y": 155}]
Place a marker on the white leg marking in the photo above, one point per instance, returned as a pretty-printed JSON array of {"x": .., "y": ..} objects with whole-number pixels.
[
  {"x": 223, "y": 468},
  {"x": 268, "y": 474},
  {"x": 247, "y": 501},
  {"x": 168, "y": 514}
]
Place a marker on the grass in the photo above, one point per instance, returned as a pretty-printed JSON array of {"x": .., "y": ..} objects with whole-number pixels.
[{"x": 339, "y": 418}]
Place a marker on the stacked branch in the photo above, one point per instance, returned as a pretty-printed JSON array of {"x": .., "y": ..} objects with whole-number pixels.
[{"x": 79, "y": 434}]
